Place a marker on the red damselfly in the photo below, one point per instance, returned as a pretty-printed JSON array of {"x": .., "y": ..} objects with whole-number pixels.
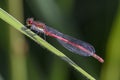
[{"x": 72, "y": 44}]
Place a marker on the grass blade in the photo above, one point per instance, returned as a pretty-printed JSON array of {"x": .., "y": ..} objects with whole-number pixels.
[{"x": 16, "y": 24}]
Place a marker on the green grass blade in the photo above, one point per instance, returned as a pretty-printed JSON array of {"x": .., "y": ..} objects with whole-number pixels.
[{"x": 16, "y": 24}]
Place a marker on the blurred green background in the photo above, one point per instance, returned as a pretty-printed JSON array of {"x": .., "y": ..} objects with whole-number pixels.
[{"x": 94, "y": 21}]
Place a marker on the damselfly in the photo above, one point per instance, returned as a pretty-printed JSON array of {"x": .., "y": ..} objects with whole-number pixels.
[{"x": 72, "y": 44}]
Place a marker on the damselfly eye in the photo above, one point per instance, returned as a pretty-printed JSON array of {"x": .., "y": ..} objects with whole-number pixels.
[{"x": 29, "y": 21}]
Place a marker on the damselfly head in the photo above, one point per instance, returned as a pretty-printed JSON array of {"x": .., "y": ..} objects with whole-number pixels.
[{"x": 29, "y": 21}]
